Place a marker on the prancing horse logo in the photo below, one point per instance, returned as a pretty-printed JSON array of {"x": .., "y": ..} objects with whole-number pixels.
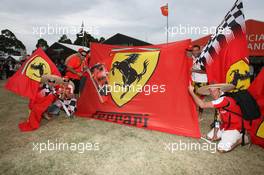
[
  {"x": 238, "y": 75},
  {"x": 129, "y": 74},
  {"x": 37, "y": 67},
  {"x": 130, "y": 71},
  {"x": 40, "y": 67}
]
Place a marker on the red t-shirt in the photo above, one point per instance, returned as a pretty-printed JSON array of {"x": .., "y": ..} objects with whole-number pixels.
[
  {"x": 76, "y": 63},
  {"x": 229, "y": 121}
]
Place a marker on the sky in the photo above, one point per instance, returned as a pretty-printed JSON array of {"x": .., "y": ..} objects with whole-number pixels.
[{"x": 30, "y": 20}]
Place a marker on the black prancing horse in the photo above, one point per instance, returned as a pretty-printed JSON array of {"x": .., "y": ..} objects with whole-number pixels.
[
  {"x": 237, "y": 76},
  {"x": 39, "y": 67},
  {"x": 129, "y": 74}
]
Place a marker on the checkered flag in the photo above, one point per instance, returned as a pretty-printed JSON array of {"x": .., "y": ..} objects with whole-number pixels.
[
  {"x": 69, "y": 106},
  {"x": 231, "y": 27}
]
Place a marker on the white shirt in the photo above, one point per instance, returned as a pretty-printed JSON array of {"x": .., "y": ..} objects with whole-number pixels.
[{"x": 198, "y": 77}]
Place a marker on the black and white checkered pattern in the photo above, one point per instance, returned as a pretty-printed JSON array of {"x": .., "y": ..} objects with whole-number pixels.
[
  {"x": 71, "y": 105},
  {"x": 47, "y": 89},
  {"x": 233, "y": 23}
]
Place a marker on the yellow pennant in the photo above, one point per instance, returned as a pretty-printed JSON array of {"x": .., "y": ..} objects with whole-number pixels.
[
  {"x": 238, "y": 75},
  {"x": 260, "y": 131},
  {"x": 36, "y": 68}
]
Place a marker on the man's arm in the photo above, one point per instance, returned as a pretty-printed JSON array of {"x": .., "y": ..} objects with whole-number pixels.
[
  {"x": 198, "y": 101},
  {"x": 74, "y": 71}
]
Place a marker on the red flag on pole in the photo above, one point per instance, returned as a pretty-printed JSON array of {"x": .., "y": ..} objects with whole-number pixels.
[
  {"x": 25, "y": 82},
  {"x": 164, "y": 10},
  {"x": 225, "y": 55}
]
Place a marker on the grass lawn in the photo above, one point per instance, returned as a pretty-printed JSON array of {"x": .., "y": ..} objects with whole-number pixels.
[{"x": 114, "y": 149}]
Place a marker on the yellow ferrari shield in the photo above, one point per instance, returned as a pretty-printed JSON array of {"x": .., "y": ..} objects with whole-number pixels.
[
  {"x": 129, "y": 73},
  {"x": 238, "y": 75},
  {"x": 260, "y": 131},
  {"x": 36, "y": 68}
]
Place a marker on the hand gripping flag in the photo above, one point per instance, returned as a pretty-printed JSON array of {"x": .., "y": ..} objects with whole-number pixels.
[
  {"x": 225, "y": 55},
  {"x": 25, "y": 82}
]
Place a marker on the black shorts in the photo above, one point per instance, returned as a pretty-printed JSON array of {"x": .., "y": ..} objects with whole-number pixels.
[{"x": 77, "y": 85}]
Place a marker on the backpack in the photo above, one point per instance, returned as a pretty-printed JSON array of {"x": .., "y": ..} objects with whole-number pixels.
[
  {"x": 248, "y": 105},
  {"x": 249, "y": 108}
]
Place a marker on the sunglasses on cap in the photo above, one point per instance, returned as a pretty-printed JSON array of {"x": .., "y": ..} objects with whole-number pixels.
[
  {"x": 51, "y": 81},
  {"x": 83, "y": 53}
]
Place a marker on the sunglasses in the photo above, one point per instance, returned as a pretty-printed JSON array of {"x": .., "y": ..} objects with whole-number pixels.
[
  {"x": 66, "y": 81},
  {"x": 84, "y": 54},
  {"x": 101, "y": 78},
  {"x": 51, "y": 81}
]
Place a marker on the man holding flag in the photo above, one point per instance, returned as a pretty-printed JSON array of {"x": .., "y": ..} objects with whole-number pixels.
[
  {"x": 43, "y": 99},
  {"x": 75, "y": 68},
  {"x": 225, "y": 60},
  {"x": 26, "y": 83}
]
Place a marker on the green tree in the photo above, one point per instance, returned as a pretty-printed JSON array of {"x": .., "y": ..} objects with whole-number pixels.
[
  {"x": 84, "y": 39},
  {"x": 42, "y": 43},
  {"x": 10, "y": 44},
  {"x": 65, "y": 39},
  {"x": 102, "y": 39}
]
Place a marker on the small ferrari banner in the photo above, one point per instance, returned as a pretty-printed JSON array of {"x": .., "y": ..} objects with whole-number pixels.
[
  {"x": 99, "y": 77},
  {"x": 25, "y": 82},
  {"x": 147, "y": 88}
]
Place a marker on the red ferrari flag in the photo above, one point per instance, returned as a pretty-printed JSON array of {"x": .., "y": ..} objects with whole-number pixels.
[
  {"x": 256, "y": 89},
  {"x": 164, "y": 10},
  {"x": 147, "y": 88},
  {"x": 225, "y": 55},
  {"x": 25, "y": 82}
]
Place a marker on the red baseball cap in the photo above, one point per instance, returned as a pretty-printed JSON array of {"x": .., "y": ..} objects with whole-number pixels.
[{"x": 81, "y": 50}]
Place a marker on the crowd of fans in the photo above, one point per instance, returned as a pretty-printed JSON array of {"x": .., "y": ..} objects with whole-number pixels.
[
  {"x": 60, "y": 93},
  {"x": 8, "y": 68}
]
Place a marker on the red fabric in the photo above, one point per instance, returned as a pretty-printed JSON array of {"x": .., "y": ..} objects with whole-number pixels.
[
  {"x": 86, "y": 64},
  {"x": 229, "y": 54},
  {"x": 38, "y": 107},
  {"x": 255, "y": 41},
  {"x": 20, "y": 84},
  {"x": 74, "y": 62},
  {"x": 256, "y": 89},
  {"x": 235, "y": 120},
  {"x": 227, "y": 49},
  {"x": 253, "y": 131},
  {"x": 255, "y": 37},
  {"x": 164, "y": 10},
  {"x": 173, "y": 111}
]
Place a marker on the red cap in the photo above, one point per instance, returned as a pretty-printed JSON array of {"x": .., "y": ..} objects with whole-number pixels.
[
  {"x": 81, "y": 50},
  {"x": 189, "y": 48}
]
